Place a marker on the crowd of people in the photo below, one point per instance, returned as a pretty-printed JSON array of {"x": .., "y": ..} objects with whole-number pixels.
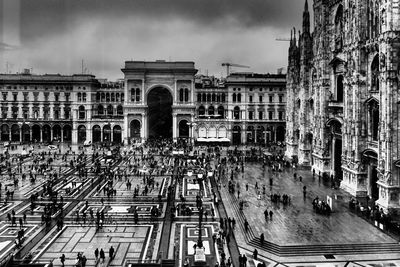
[
  {"x": 321, "y": 207},
  {"x": 141, "y": 166}
]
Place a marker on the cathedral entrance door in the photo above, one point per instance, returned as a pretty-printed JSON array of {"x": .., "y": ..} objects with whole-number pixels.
[
  {"x": 337, "y": 153},
  {"x": 373, "y": 179}
]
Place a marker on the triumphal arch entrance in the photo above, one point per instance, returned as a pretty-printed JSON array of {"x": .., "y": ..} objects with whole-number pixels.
[{"x": 159, "y": 100}]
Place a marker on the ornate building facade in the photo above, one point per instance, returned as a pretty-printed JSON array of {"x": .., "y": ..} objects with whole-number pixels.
[
  {"x": 343, "y": 100},
  {"x": 245, "y": 108},
  {"x": 155, "y": 99}
]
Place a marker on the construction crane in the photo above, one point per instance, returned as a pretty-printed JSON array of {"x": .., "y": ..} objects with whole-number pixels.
[{"x": 229, "y": 65}]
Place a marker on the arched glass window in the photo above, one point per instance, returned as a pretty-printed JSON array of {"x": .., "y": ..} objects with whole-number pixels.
[
  {"x": 223, "y": 98},
  {"x": 100, "y": 110},
  {"x": 210, "y": 110},
  {"x": 181, "y": 95},
  {"x": 375, "y": 74},
  {"x": 110, "y": 110},
  {"x": 236, "y": 113},
  {"x": 120, "y": 110},
  {"x": 208, "y": 97},
  {"x": 186, "y": 95},
  {"x": 117, "y": 97},
  {"x": 122, "y": 97},
  {"x": 199, "y": 97},
  {"x": 373, "y": 108},
  {"x": 98, "y": 97},
  {"x": 221, "y": 111},
  {"x": 202, "y": 110},
  {"x": 112, "y": 97},
  {"x": 239, "y": 97},
  {"x": 204, "y": 97},
  {"x": 81, "y": 112},
  {"x": 339, "y": 28},
  {"x": 132, "y": 95},
  {"x": 339, "y": 89},
  {"x": 213, "y": 98},
  {"x": 107, "y": 97},
  {"x": 83, "y": 97},
  {"x": 137, "y": 95},
  {"x": 103, "y": 97},
  {"x": 79, "y": 97},
  {"x": 234, "y": 97}
]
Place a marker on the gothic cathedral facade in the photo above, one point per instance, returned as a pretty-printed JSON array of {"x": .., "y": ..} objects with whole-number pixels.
[{"x": 343, "y": 80}]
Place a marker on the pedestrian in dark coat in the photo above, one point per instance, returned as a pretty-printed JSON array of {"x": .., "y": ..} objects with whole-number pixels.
[
  {"x": 96, "y": 253},
  {"x": 111, "y": 253},
  {"x": 102, "y": 255}
]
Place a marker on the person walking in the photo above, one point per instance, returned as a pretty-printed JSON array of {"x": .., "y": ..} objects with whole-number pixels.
[
  {"x": 246, "y": 225},
  {"x": 262, "y": 239},
  {"x": 102, "y": 255},
  {"x": 96, "y": 253},
  {"x": 111, "y": 253},
  {"x": 62, "y": 259},
  {"x": 255, "y": 253}
]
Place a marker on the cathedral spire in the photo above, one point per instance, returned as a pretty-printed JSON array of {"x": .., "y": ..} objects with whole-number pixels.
[{"x": 306, "y": 18}]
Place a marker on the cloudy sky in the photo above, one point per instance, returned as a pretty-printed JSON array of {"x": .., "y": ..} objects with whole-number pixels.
[{"x": 54, "y": 36}]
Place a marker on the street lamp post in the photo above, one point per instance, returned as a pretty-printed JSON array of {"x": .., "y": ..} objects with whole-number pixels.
[
  {"x": 199, "y": 240},
  {"x": 199, "y": 254}
]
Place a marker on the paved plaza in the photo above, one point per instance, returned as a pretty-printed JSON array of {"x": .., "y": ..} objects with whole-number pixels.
[{"x": 162, "y": 220}]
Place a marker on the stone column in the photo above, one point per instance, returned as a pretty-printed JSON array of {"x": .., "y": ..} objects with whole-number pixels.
[
  {"x": 144, "y": 133},
  {"x": 30, "y": 134},
  {"x": 175, "y": 94},
  {"x": 89, "y": 132},
  {"x": 74, "y": 137},
  {"x": 142, "y": 96},
  {"x": 174, "y": 125},
  {"x": 51, "y": 112},
  {"x": 20, "y": 134},
  {"x": 31, "y": 115},
  {"x": 243, "y": 134},
  {"x": 41, "y": 134},
  {"x": 125, "y": 130},
  {"x": 51, "y": 134},
  {"x": 62, "y": 134}
]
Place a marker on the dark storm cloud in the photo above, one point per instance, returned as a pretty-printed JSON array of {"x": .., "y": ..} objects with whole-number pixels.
[
  {"x": 42, "y": 17},
  {"x": 54, "y": 36}
]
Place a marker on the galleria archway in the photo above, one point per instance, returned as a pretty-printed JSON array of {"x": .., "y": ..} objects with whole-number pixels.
[{"x": 159, "y": 102}]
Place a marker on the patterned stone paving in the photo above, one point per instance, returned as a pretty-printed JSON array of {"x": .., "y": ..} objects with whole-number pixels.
[
  {"x": 8, "y": 235},
  {"x": 293, "y": 224},
  {"x": 129, "y": 242},
  {"x": 160, "y": 185}
]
